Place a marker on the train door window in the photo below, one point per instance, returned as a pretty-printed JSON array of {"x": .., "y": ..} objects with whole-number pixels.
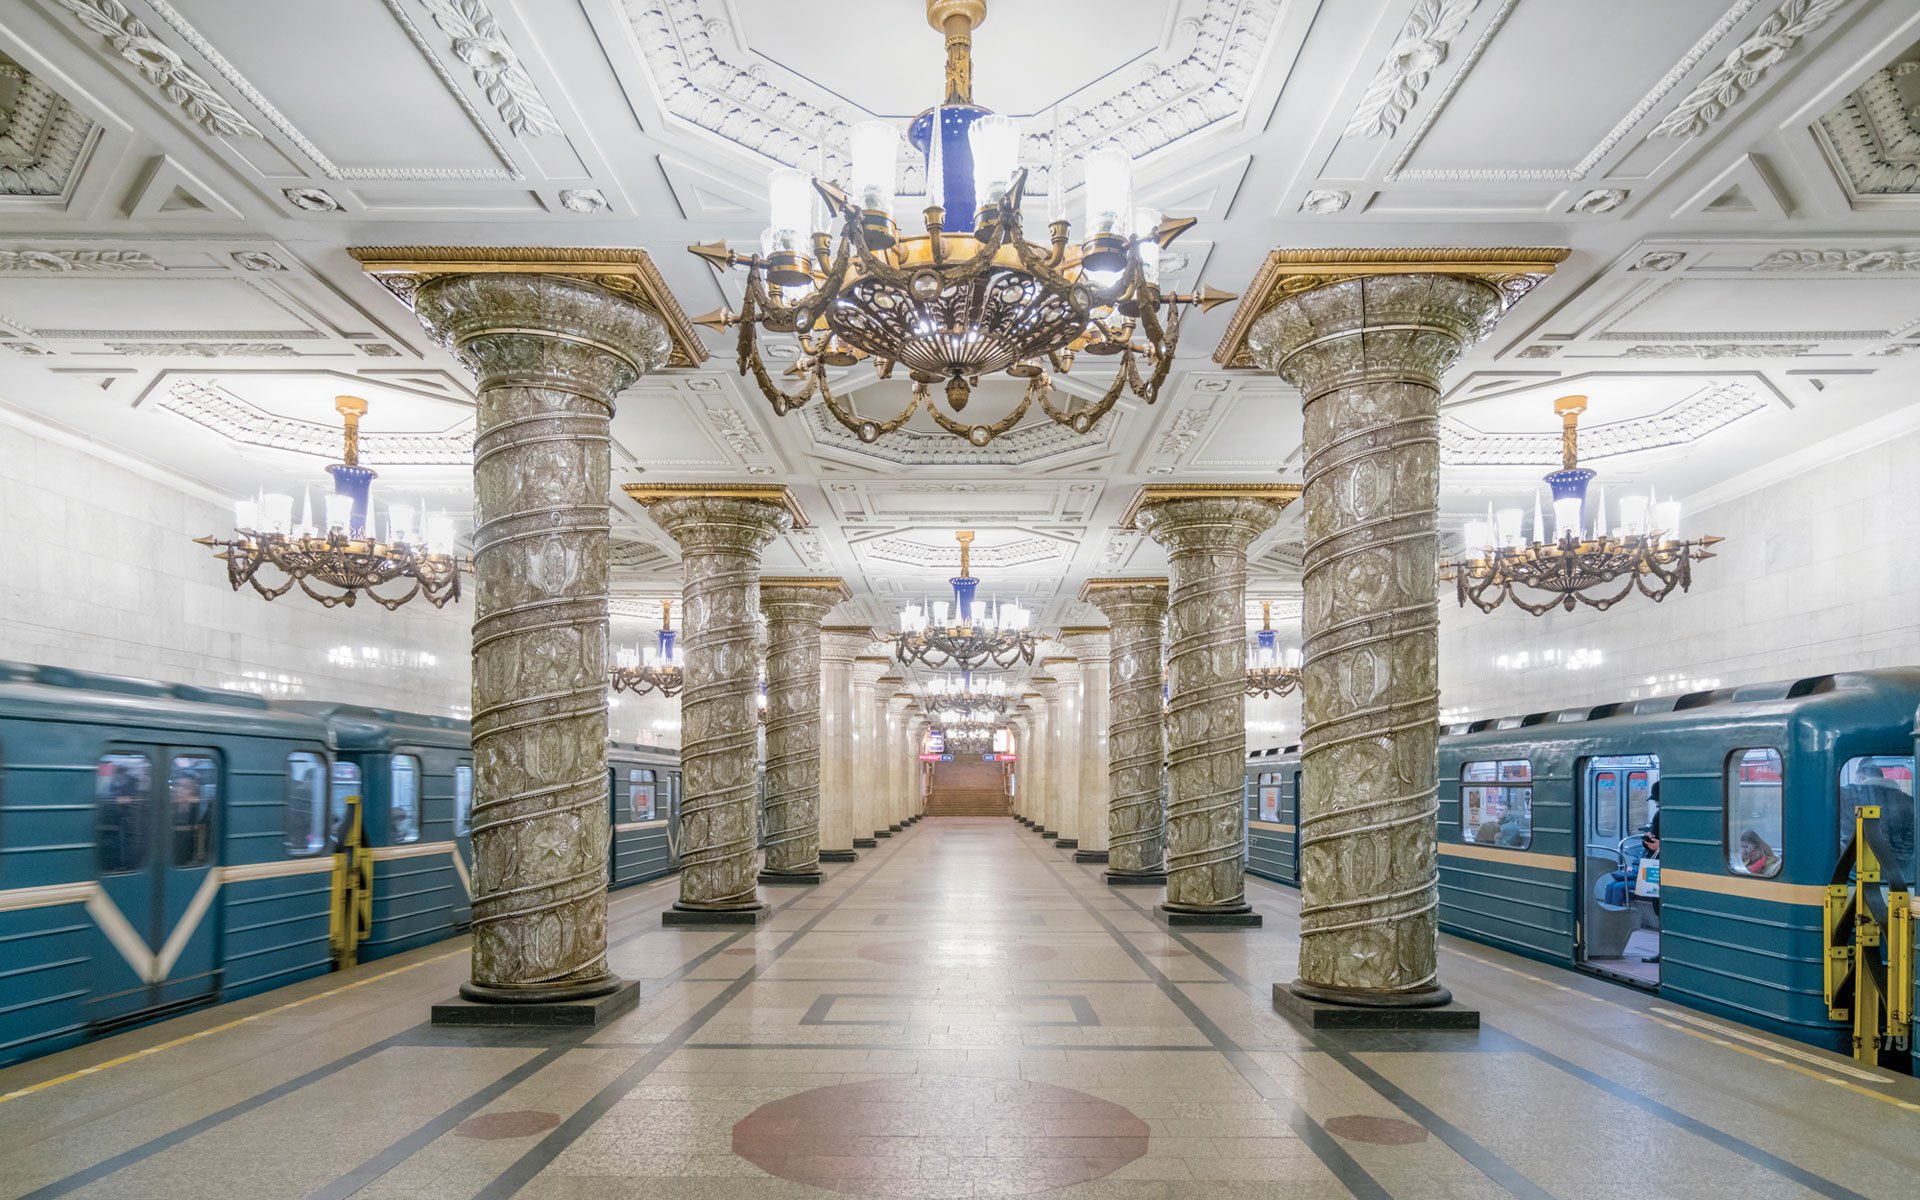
[
  {"x": 305, "y": 804},
  {"x": 1885, "y": 780},
  {"x": 193, "y": 791},
  {"x": 1753, "y": 811},
  {"x": 345, "y": 782},
  {"x": 403, "y": 799},
  {"x": 640, "y": 794},
  {"x": 463, "y": 799},
  {"x": 1496, "y": 803},
  {"x": 122, "y": 812},
  {"x": 1270, "y": 796},
  {"x": 1606, "y": 804}
]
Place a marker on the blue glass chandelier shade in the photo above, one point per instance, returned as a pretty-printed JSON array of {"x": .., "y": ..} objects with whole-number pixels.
[
  {"x": 356, "y": 483},
  {"x": 956, "y": 157}
]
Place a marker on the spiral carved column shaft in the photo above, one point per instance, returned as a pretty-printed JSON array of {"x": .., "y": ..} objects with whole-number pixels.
[
  {"x": 1206, "y": 539},
  {"x": 549, "y": 356},
  {"x": 720, "y": 539},
  {"x": 1367, "y": 355},
  {"x": 794, "y": 609},
  {"x": 1136, "y": 613}
]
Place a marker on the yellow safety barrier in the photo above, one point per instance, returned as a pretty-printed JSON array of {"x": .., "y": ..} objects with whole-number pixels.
[
  {"x": 351, "y": 917},
  {"x": 1869, "y": 961}
]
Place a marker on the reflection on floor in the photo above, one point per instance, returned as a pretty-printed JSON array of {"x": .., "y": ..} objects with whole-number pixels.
[
  {"x": 1642, "y": 945},
  {"x": 962, "y": 1013}
]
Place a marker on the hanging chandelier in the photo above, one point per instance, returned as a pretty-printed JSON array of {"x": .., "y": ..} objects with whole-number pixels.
[
  {"x": 658, "y": 669},
  {"x": 1580, "y": 563},
  {"x": 953, "y": 305},
  {"x": 970, "y": 737},
  {"x": 955, "y": 634},
  {"x": 343, "y": 555},
  {"x": 1271, "y": 674},
  {"x": 962, "y": 698}
]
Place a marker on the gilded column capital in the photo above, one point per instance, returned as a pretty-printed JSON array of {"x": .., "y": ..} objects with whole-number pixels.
[
  {"x": 843, "y": 643},
  {"x": 800, "y": 596},
  {"x": 719, "y": 517},
  {"x": 1208, "y": 518},
  {"x": 1321, "y": 286},
  {"x": 1088, "y": 645},
  {"x": 1127, "y": 601}
]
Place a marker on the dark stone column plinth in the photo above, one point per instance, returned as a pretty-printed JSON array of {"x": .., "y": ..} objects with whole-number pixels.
[
  {"x": 713, "y": 916},
  {"x": 1071, "y": 843},
  {"x": 1213, "y": 917},
  {"x": 864, "y": 843},
  {"x": 839, "y": 856},
  {"x": 588, "y": 1012},
  {"x": 1090, "y": 856},
  {"x": 1326, "y": 1014},
  {"x": 1135, "y": 878}
]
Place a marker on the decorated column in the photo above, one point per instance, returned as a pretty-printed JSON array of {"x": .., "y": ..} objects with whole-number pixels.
[
  {"x": 1021, "y": 722},
  {"x": 1366, "y": 336},
  {"x": 1037, "y": 796},
  {"x": 721, "y": 529},
  {"x": 551, "y": 336},
  {"x": 1136, "y": 610},
  {"x": 1063, "y": 788},
  {"x": 839, "y": 646},
  {"x": 1091, "y": 649},
  {"x": 868, "y": 706},
  {"x": 898, "y": 724},
  {"x": 794, "y": 607},
  {"x": 1206, "y": 529}
]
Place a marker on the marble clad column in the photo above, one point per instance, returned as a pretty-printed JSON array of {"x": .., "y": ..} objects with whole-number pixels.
[
  {"x": 1092, "y": 649},
  {"x": 880, "y": 766},
  {"x": 1136, "y": 610},
  {"x": 1018, "y": 722},
  {"x": 550, "y": 344},
  {"x": 1366, "y": 336},
  {"x": 839, "y": 750},
  {"x": 898, "y": 724},
  {"x": 721, "y": 530},
  {"x": 795, "y": 608},
  {"x": 1206, "y": 529},
  {"x": 1042, "y": 763},
  {"x": 1064, "y": 728},
  {"x": 867, "y": 704}
]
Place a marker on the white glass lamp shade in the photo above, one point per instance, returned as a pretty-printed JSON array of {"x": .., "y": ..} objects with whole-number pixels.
[
  {"x": 1566, "y": 517},
  {"x": 940, "y": 613},
  {"x": 1109, "y": 191},
  {"x": 400, "y": 522},
  {"x": 1145, "y": 221},
  {"x": 1633, "y": 516},
  {"x": 1507, "y": 524},
  {"x": 995, "y": 142},
  {"x": 1293, "y": 657},
  {"x": 876, "y": 162},
  {"x": 278, "y": 512},
  {"x": 439, "y": 532},
  {"x": 1479, "y": 538},
  {"x": 1666, "y": 518},
  {"x": 339, "y": 513},
  {"x": 626, "y": 659},
  {"x": 246, "y": 515},
  {"x": 790, "y": 202}
]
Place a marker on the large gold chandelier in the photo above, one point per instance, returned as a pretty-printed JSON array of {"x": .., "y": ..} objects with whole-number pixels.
[
  {"x": 953, "y": 305},
  {"x": 340, "y": 559},
  {"x": 1582, "y": 561},
  {"x": 657, "y": 669}
]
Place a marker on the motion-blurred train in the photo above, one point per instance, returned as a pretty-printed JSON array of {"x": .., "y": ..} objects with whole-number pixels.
[
  {"x": 164, "y": 847},
  {"x": 1751, "y": 793}
]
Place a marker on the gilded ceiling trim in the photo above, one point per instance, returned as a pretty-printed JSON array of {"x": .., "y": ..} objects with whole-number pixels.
[
  {"x": 1279, "y": 494},
  {"x": 1514, "y": 270},
  {"x": 629, "y": 273},
  {"x": 826, "y": 583},
  {"x": 777, "y": 494}
]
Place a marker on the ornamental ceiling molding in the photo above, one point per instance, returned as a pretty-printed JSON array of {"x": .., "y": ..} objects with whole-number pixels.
[
  {"x": 1203, "y": 76},
  {"x": 907, "y": 552},
  {"x": 1852, "y": 262},
  {"x": 42, "y": 137},
  {"x": 222, "y": 413},
  {"x": 1397, "y": 84},
  {"x": 1718, "y": 350},
  {"x": 627, "y": 554},
  {"x": 1743, "y": 69},
  {"x": 81, "y": 261},
  {"x": 1871, "y": 140},
  {"x": 1691, "y": 420},
  {"x": 128, "y": 36},
  {"x": 1019, "y": 446},
  {"x": 478, "y": 42}
]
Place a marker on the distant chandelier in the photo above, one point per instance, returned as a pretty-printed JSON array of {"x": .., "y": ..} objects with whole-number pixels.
[
  {"x": 1580, "y": 564},
  {"x": 957, "y": 636},
  {"x": 344, "y": 555},
  {"x": 1270, "y": 674},
  {"x": 962, "y": 698},
  {"x": 969, "y": 737},
  {"x": 658, "y": 669},
  {"x": 951, "y": 307}
]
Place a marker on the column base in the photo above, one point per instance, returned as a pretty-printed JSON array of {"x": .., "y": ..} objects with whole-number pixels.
[
  {"x": 1048, "y": 834},
  {"x": 714, "y": 916},
  {"x": 839, "y": 856},
  {"x": 1089, "y": 856},
  {"x": 586, "y": 1012},
  {"x": 792, "y": 878},
  {"x": 1134, "y": 878},
  {"x": 1316, "y": 1009},
  {"x": 895, "y": 828},
  {"x": 864, "y": 843},
  {"x": 882, "y": 833},
  {"x": 1066, "y": 843},
  {"x": 1226, "y": 919}
]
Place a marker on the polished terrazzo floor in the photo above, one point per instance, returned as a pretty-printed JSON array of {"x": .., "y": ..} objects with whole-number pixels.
[{"x": 964, "y": 1012}]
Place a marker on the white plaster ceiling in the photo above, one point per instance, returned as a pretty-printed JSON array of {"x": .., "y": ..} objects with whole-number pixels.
[{"x": 1738, "y": 180}]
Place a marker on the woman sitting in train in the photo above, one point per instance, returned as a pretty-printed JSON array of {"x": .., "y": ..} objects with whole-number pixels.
[{"x": 1756, "y": 857}]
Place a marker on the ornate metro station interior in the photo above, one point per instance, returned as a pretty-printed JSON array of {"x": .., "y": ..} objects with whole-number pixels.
[{"x": 956, "y": 598}]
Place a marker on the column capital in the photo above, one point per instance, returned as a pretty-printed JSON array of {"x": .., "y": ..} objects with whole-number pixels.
[
  {"x": 1127, "y": 602},
  {"x": 1510, "y": 272},
  {"x": 1090, "y": 645},
  {"x": 628, "y": 275},
  {"x": 841, "y": 644},
  {"x": 868, "y": 668},
  {"x": 801, "y": 598},
  {"x": 771, "y": 495},
  {"x": 1212, "y": 516}
]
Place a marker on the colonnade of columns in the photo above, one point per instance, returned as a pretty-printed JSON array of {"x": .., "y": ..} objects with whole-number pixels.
[{"x": 552, "y": 337}]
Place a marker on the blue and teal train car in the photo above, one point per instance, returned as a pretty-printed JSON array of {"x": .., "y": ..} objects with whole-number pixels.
[
  {"x": 644, "y": 808},
  {"x": 1273, "y": 814},
  {"x": 161, "y": 847}
]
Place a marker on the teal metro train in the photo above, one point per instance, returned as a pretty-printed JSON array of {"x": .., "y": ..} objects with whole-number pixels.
[
  {"x": 1544, "y": 823},
  {"x": 165, "y": 847}
]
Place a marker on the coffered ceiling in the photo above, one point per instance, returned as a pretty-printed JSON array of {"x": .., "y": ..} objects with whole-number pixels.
[{"x": 1739, "y": 181}]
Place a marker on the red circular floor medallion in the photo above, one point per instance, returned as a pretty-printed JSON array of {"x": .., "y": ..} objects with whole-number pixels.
[
  {"x": 1002, "y": 1137},
  {"x": 1380, "y": 1131},
  {"x": 494, "y": 1126}
]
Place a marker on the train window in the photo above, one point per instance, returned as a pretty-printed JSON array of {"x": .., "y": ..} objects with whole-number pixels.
[
  {"x": 122, "y": 788},
  {"x": 404, "y": 799},
  {"x": 1754, "y": 815},
  {"x": 1885, "y": 780},
  {"x": 1494, "y": 812},
  {"x": 463, "y": 800},
  {"x": 640, "y": 794},
  {"x": 306, "y": 806},
  {"x": 346, "y": 782},
  {"x": 193, "y": 789},
  {"x": 1605, "y": 804}
]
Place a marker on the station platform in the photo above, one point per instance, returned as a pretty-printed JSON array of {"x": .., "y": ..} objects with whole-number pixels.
[{"x": 964, "y": 1012}]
